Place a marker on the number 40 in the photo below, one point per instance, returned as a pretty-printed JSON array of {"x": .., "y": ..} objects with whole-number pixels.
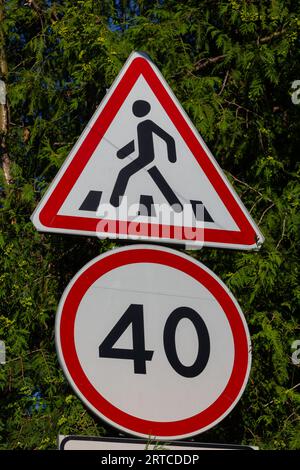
[{"x": 134, "y": 316}]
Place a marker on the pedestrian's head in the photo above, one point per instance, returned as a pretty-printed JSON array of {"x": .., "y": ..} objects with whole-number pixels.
[{"x": 141, "y": 108}]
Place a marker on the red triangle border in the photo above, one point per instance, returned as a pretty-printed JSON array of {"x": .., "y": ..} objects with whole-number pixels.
[{"x": 139, "y": 66}]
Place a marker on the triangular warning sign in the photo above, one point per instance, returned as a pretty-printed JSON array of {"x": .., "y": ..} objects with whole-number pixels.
[{"x": 141, "y": 171}]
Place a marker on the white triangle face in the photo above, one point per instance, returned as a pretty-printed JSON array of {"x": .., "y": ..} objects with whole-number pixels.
[
  {"x": 185, "y": 176},
  {"x": 138, "y": 156}
]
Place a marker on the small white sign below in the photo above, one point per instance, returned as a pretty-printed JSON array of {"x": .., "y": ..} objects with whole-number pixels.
[{"x": 115, "y": 444}]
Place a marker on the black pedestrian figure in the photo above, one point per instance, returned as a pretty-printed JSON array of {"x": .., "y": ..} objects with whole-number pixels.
[{"x": 145, "y": 131}]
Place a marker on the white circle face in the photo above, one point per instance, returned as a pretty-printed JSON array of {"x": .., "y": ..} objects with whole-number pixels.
[
  {"x": 126, "y": 312},
  {"x": 161, "y": 394}
]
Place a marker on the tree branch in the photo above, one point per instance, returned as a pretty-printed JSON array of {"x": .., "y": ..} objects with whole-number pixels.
[
  {"x": 271, "y": 36},
  {"x": 238, "y": 106},
  {"x": 224, "y": 83},
  {"x": 4, "y": 118},
  {"x": 249, "y": 187},
  {"x": 282, "y": 233},
  {"x": 202, "y": 63},
  {"x": 34, "y": 5},
  {"x": 265, "y": 211},
  {"x": 286, "y": 391}
]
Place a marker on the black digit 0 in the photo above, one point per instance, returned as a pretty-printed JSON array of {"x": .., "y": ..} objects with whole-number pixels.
[{"x": 170, "y": 344}]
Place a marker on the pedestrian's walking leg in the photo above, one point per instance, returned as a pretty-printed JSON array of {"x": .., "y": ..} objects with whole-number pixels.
[
  {"x": 165, "y": 189},
  {"x": 122, "y": 181}
]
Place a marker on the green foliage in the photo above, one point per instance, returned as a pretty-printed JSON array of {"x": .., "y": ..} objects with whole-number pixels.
[{"x": 231, "y": 64}]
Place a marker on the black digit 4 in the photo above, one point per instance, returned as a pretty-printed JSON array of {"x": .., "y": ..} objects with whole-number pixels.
[{"x": 134, "y": 316}]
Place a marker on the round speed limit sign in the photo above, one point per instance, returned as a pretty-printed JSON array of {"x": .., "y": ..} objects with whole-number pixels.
[{"x": 153, "y": 342}]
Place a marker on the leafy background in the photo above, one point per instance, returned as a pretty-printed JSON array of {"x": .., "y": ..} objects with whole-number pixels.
[{"x": 231, "y": 64}]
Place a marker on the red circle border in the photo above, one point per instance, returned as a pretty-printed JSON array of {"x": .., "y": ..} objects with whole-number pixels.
[{"x": 193, "y": 424}]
